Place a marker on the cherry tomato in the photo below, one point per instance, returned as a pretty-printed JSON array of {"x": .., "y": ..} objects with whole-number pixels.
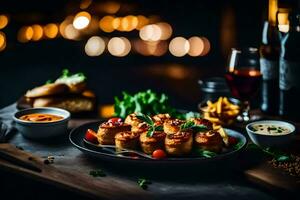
[
  {"x": 115, "y": 120},
  {"x": 159, "y": 154},
  {"x": 232, "y": 140},
  {"x": 91, "y": 136}
]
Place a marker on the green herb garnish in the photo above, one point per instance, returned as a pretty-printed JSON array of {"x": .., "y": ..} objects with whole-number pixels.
[
  {"x": 206, "y": 153},
  {"x": 238, "y": 145},
  {"x": 148, "y": 120},
  {"x": 191, "y": 125},
  {"x": 66, "y": 77},
  {"x": 149, "y": 103},
  {"x": 276, "y": 154},
  {"x": 97, "y": 173},
  {"x": 48, "y": 81},
  {"x": 143, "y": 183}
]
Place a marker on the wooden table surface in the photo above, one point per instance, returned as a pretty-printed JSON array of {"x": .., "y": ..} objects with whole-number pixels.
[{"x": 120, "y": 181}]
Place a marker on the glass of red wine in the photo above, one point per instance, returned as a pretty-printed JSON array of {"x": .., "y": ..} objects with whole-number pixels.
[{"x": 244, "y": 77}]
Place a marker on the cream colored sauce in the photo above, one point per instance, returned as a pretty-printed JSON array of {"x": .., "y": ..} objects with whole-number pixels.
[{"x": 270, "y": 129}]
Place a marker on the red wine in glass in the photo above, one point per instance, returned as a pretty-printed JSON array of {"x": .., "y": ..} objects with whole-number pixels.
[
  {"x": 243, "y": 77},
  {"x": 244, "y": 82}
]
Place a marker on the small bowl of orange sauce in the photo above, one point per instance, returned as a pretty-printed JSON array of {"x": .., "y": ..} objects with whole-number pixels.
[{"x": 42, "y": 123}]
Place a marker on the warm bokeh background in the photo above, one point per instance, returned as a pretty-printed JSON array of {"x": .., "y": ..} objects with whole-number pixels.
[{"x": 32, "y": 51}]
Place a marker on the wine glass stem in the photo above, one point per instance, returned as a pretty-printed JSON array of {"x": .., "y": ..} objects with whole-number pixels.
[{"x": 245, "y": 114}]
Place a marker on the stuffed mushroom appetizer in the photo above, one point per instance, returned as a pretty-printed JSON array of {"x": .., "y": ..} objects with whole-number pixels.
[
  {"x": 179, "y": 143},
  {"x": 127, "y": 140},
  {"x": 209, "y": 140},
  {"x": 153, "y": 142},
  {"x": 108, "y": 130}
]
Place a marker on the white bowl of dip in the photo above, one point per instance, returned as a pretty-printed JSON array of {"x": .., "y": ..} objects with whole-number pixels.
[
  {"x": 42, "y": 123},
  {"x": 271, "y": 133}
]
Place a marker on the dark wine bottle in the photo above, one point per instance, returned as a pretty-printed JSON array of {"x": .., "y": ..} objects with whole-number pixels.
[
  {"x": 289, "y": 74},
  {"x": 269, "y": 66}
]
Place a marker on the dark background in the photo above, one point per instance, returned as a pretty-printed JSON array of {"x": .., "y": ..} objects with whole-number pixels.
[{"x": 227, "y": 23}]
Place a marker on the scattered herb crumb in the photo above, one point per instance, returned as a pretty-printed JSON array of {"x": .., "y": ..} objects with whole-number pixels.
[
  {"x": 19, "y": 147},
  {"x": 97, "y": 173},
  {"x": 290, "y": 166},
  {"x": 49, "y": 160},
  {"x": 143, "y": 183}
]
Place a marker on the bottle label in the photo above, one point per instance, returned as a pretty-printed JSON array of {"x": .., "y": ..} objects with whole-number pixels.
[
  {"x": 269, "y": 69},
  {"x": 289, "y": 75}
]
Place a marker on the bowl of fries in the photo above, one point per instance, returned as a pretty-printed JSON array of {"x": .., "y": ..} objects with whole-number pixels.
[{"x": 222, "y": 111}]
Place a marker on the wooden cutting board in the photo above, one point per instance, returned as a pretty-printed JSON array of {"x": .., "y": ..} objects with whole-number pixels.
[{"x": 81, "y": 184}]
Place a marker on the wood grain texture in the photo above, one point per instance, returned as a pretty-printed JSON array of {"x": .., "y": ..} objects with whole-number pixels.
[{"x": 79, "y": 183}]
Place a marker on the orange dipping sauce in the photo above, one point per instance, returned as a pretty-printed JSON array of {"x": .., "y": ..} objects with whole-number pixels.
[{"x": 41, "y": 117}]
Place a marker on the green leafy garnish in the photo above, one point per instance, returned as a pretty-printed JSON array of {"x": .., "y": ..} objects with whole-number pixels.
[
  {"x": 191, "y": 125},
  {"x": 276, "y": 154},
  {"x": 48, "y": 81},
  {"x": 206, "y": 153},
  {"x": 148, "y": 120},
  {"x": 97, "y": 173},
  {"x": 190, "y": 115},
  {"x": 147, "y": 102},
  {"x": 67, "y": 78},
  {"x": 238, "y": 145},
  {"x": 143, "y": 183}
]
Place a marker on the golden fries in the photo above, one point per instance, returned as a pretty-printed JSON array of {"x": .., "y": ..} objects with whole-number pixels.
[{"x": 221, "y": 112}]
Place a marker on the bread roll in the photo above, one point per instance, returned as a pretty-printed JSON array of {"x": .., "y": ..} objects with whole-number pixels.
[
  {"x": 159, "y": 119},
  {"x": 47, "y": 90},
  {"x": 72, "y": 104}
]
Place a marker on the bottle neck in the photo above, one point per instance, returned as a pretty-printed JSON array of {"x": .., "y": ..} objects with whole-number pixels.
[{"x": 269, "y": 34}]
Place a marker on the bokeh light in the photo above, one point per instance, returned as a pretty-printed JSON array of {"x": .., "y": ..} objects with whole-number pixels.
[
  {"x": 142, "y": 21},
  {"x": 37, "y": 32},
  {"x": 3, "y": 21},
  {"x": 51, "y": 30},
  {"x": 106, "y": 24},
  {"x": 25, "y": 34},
  {"x": 166, "y": 30},
  {"x": 207, "y": 46},
  {"x": 81, "y": 20},
  {"x": 196, "y": 46},
  {"x": 151, "y": 33},
  {"x": 146, "y": 48},
  {"x": 111, "y": 7},
  {"x": 95, "y": 46},
  {"x": 71, "y": 33},
  {"x": 84, "y": 4},
  {"x": 179, "y": 46},
  {"x": 119, "y": 46},
  {"x": 2, "y": 41}
]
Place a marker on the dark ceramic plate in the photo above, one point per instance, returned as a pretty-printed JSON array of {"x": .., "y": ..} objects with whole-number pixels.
[{"x": 77, "y": 139}]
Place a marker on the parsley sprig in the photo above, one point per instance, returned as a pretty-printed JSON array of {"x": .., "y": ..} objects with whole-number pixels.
[
  {"x": 276, "y": 154},
  {"x": 191, "y": 125},
  {"x": 143, "y": 183},
  {"x": 148, "y": 120}
]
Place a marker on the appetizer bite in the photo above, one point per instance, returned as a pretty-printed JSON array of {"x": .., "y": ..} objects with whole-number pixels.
[
  {"x": 179, "y": 143},
  {"x": 172, "y": 126},
  {"x": 108, "y": 130},
  {"x": 201, "y": 121},
  {"x": 210, "y": 140},
  {"x": 127, "y": 140},
  {"x": 150, "y": 143},
  {"x": 159, "y": 119},
  {"x": 137, "y": 125}
]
